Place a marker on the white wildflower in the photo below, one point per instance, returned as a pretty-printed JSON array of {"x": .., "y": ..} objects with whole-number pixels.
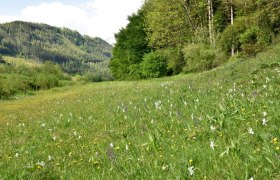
[
  {"x": 41, "y": 163},
  {"x": 212, "y": 145},
  {"x": 111, "y": 145},
  {"x": 267, "y": 79},
  {"x": 164, "y": 167},
  {"x": 213, "y": 128},
  {"x": 192, "y": 116},
  {"x": 191, "y": 170},
  {"x": 250, "y": 131},
  {"x": 50, "y": 158},
  {"x": 43, "y": 125},
  {"x": 264, "y": 114},
  {"x": 185, "y": 103},
  {"x": 17, "y": 155},
  {"x": 126, "y": 147},
  {"x": 158, "y": 104},
  {"x": 264, "y": 122}
]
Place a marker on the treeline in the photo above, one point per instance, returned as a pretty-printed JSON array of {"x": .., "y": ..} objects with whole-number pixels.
[
  {"x": 22, "y": 79},
  {"x": 72, "y": 51},
  {"x": 167, "y": 37}
]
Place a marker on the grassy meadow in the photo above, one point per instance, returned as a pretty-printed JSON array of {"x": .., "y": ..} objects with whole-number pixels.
[{"x": 220, "y": 124}]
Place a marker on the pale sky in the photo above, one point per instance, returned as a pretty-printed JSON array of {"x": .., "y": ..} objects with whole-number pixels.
[{"x": 96, "y": 18}]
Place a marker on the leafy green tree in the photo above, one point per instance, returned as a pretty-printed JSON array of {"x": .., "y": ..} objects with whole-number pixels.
[
  {"x": 131, "y": 45},
  {"x": 154, "y": 65},
  {"x": 166, "y": 22}
]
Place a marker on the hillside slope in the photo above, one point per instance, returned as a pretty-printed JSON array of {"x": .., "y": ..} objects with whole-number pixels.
[
  {"x": 220, "y": 124},
  {"x": 41, "y": 42}
]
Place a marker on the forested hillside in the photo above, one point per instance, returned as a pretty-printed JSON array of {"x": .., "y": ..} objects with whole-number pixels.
[
  {"x": 72, "y": 51},
  {"x": 167, "y": 37}
]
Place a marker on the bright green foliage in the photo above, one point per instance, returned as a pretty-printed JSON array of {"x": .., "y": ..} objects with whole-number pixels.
[
  {"x": 253, "y": 41},
  {"x": 154, "y": 65},
  {"x": 200, "y": 58},
  {"x": 175, "y": 60},
  {"x": 243, "y": 27},
  {"x": 166, "y": 22},
  {"x": 22, "y": 79},
  {"x": 130, "y": 48}
]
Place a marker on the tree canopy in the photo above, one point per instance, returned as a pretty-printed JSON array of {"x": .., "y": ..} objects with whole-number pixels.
[{"x": 175, "y": 29}]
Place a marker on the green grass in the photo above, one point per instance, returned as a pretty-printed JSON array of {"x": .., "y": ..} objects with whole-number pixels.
[{"x": 153, "y": 129}]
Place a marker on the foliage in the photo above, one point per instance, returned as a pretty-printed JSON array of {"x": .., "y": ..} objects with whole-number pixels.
[
  {"x": 154, "y": 65},
  {"x": 166, "y": 23},
  {"x": 21, "y": 79},
  {"x": 198, "y": 58},
  {"x": 202, "y": 58},
  {"x": 242, "y": 27},
  {"x": 175, "y": 60},
  {"x": 130, "y": 48}
]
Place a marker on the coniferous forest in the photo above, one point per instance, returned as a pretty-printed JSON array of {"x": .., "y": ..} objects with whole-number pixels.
[
  {"x": 167, "y": 37},
  {"x": 72, "y": 51}
]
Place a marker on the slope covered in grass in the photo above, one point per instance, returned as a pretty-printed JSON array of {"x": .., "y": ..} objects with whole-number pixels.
[{"x": 221, "y": 124}]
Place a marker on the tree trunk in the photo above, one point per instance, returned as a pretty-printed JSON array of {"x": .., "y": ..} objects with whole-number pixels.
[
  {"x": 211, "y": 23},
  {"x": 231, "y": 20}
]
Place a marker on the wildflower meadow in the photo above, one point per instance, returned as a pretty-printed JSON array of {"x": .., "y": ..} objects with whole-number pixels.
[{"x": 220, "y": 124}]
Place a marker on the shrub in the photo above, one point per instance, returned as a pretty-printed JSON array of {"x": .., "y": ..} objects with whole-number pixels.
[
  {"x": 154, "y": 65},
  {"x": 175, "y": 60},
  {"x": 135, "y": 71},
  {"x": 198, "y": 58},
  {"x": 46, "y": 81},
  {"x": 230, "y": 36},
  {"x": 93, "y": 77},
  {"x": 247, "y": 35},
  {"x": 253, "y": 40}
]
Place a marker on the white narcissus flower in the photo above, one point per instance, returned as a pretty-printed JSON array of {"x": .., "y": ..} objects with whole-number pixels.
[
  {"x": 191, "y": 170},
  {"x": 250, "y": 131},
  {"x": 213, "y": 128},
  {"x": 41, "y": 163},
  {"x": 212, "y": 145},
  {"x": 264, "y": 122}
]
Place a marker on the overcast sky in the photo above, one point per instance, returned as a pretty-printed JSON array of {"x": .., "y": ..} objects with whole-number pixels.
[{"x": 96, "y": 18}]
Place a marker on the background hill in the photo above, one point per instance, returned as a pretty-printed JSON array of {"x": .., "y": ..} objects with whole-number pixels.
[{"x": 72, "y": 51}]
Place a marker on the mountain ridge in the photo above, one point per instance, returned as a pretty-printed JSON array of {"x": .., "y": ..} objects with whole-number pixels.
[{"x": 74, "y": 52}]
